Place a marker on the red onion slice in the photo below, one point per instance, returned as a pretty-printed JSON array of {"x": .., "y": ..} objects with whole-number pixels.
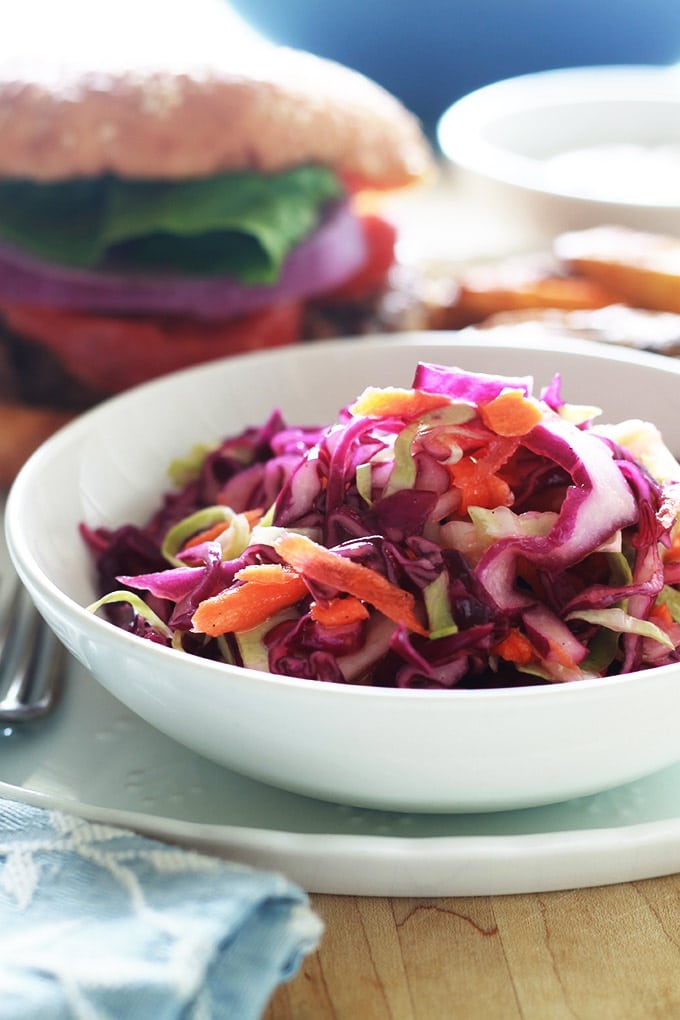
[{"x": 324, "y": 260}]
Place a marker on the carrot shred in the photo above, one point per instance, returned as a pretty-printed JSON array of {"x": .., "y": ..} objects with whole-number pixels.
[
  {"x": 672, "y": 554},
  {"x": 339, "y": 611},
  {"x": 327, "y": 567},
  {"x": 559, "y": 655},
  {"x": 515, "y": 647},
  {"x": 265, "y": 573},
  {"x": 215, "y": 530},
  {"x": 661, "y": 614},
  {"x": 479, "y": 487},
  {"x": 510, "y": 414},
  {"x": 208, "y": 535},
  {"x": 375, "y": 402},
  {"x": 253, "y": 516},
  {"x": 249, "y": 604}
]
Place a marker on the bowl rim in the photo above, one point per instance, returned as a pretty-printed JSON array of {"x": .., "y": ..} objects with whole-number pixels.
[
  {"x": 459, "y": 130},
  {"x": 70, "y": 436}
]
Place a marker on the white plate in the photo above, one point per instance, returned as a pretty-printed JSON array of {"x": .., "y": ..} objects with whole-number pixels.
[{"x": 97, "y": 760}]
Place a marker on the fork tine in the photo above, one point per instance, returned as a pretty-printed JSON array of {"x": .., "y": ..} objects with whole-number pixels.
[{"x": 31, "y": 662}]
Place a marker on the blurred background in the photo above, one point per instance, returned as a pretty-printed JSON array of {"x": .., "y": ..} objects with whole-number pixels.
[{"x": 430, "y": 52}]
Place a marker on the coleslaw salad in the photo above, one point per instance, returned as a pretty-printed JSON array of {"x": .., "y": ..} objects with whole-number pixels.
[{"x": 463, "y": 532}]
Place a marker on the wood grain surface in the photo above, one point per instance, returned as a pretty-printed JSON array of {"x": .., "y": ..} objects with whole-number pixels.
[{"x": 609, "y": 953}]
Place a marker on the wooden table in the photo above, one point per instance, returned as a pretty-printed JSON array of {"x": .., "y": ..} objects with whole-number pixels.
[{"x": 608, "y": 953}]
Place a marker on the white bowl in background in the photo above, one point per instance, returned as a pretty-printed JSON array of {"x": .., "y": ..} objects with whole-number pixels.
[
  {"x": 419, "y": 750},
  {"x": 571, "y": 149}
]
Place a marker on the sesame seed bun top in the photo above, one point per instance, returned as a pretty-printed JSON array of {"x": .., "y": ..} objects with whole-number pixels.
[{"x": 221, "y": 101}]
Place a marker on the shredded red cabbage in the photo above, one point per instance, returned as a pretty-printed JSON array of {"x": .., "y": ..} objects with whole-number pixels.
[{"x": 534, "y": 553}]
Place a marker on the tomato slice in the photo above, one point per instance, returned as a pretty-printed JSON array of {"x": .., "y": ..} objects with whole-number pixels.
[
  {"x": 113, "y": 352},
  {"x": 381, "y": 237}
]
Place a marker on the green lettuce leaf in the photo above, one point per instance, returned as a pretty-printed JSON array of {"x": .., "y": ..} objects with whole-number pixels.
[{"x": 241, "y": 225}]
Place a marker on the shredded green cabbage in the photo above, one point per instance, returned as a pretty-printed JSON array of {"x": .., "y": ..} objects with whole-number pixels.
[{"x": 139, "y": 606}]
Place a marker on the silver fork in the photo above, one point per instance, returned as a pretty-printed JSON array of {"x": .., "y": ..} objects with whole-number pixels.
[{"x": 31, "y": 661}]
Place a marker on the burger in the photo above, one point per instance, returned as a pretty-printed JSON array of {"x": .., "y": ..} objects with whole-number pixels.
[{"x": 161, "y": 213}]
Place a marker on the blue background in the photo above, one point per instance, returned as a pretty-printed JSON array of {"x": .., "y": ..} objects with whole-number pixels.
[{"x": 430, "y": 52}]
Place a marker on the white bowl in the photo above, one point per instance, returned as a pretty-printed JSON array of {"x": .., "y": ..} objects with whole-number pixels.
[
  {"x": 401, "y": 749},
  {"x": 517, "y": 147}
]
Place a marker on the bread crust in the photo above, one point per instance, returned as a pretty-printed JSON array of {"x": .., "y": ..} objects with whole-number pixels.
[{"x": 264, "y": 110}]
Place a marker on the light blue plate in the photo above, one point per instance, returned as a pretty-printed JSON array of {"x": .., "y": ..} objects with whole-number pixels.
[{"x": 96, "y": 759}]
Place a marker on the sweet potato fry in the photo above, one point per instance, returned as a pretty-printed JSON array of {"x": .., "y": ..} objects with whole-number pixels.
[
  {"x": 642, "y": 268},
  {"x": 521, "y": 284}
]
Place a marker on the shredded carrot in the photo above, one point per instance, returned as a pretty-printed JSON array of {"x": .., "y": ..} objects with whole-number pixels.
[
  {"x": 661, "y": 615},
  {"x": 209, "y": 535},
  {"x": 515, "y": 647},
  {"x": 379, "y": 403},
  {"x": 213, "y": 532},
  {"x": 253, "y": 516},
  {"x": 265, "y": 573},
  {"x": 510, "y": 414},
  {"x": 327, "y": 567},
  {"x": 558, "y": 654},
  {"x": 672, "y": 555},
  {"x": 478, "y": 487},
  {"x": 339, "y": 611},
  {"x": 245, "y": 606}
]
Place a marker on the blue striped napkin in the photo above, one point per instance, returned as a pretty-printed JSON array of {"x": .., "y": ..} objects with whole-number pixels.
[{"x": 97, "y": 923}]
